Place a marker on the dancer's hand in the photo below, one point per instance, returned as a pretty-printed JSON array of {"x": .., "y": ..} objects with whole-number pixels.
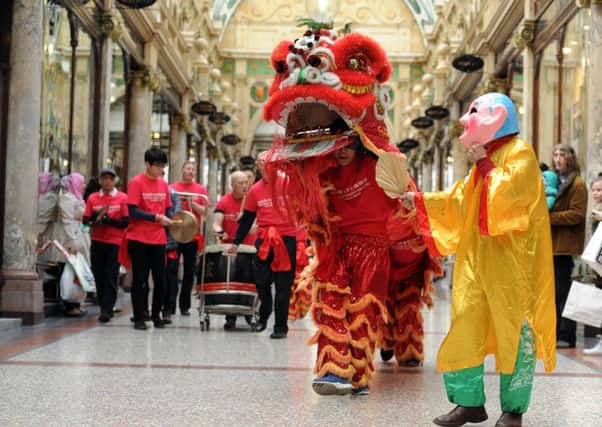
[
  {"x": 232, "y": 250},
  {"x": 407, "y": 199}
]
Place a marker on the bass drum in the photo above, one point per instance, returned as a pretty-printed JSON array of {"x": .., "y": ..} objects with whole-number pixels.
[{"x": 214, "y": 266}]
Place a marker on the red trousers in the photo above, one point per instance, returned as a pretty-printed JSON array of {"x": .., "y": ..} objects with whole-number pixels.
[{"x": 349, "y": 309}]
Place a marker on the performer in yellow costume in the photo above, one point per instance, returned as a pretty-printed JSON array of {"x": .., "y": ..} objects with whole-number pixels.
[{"x": 496, "y": 223}]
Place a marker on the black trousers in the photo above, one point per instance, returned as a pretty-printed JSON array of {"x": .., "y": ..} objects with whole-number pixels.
[
  {"x": 147, "y": 258},
  {"x": 565, "y": 328},
  {"x": 189, "y": 251},
  {"x": 171, "y": 292},
  {"x": 283, "y": 281},
  {"x": 105, "y": 268}
]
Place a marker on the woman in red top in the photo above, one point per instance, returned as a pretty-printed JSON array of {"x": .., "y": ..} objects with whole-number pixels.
[{"x": 107, "y": 213}]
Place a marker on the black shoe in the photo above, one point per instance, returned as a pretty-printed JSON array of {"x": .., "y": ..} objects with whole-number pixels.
[
  {"x": 166, "y": 319},
  {"x": 230, "y": 323},
  {"x": 159, "y": 323},
  {"x": 386, "y": 355},
  {"x": 510, "y": 419},
  {"x": 140, "y": 325},
  {"x": 461, "y": 415},
  {"x": 260, "y": 326},
  {"x": 104, "y": 318},
  {"x": 278, "y": 335}
]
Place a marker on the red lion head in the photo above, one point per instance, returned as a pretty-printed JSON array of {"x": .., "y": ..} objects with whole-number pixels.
[{"x": 325, "y": 86}]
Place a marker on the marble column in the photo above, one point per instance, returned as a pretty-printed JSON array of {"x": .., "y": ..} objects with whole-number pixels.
[
  {"x": 212, "y": 156},
  {"x": 527, "y": 34},
  {"x": 22, "y": 294},
  {"x": 178, "y": 152},
  {"x": 140, "y": 122},
  {"x": 109, "y": 25},
  {"x": 594, "y": 131}
]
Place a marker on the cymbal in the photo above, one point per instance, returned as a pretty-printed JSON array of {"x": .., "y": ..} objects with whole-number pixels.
[{"x": 184, "y": 228}]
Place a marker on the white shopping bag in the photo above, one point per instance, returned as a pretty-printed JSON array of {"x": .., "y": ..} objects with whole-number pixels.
[
  {"x": 584, "y": 304},
  {"x": 83, "y": 272},
  {"x": 70, "y": 289},
  {"x": 592, "y": 255}
]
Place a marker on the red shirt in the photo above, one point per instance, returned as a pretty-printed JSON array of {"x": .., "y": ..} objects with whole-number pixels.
[
  {"x": 117, "y": 208},
  {"x": 360, "y": 203},
  {"x": 231, "y": 208},
  {"x": 152, "y": 196},
  {"x": 193, "y": 187},
  {"x": 260, "y": 200}
]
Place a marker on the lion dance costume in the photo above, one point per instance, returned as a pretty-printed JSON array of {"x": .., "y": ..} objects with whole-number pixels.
[
  {"x": 496, "y": 222},
  {"x": 327, "y": 94},
  {"x": 301, "y": 292}
]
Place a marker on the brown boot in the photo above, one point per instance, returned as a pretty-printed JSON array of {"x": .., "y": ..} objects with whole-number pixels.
[
  {"x": 461, "y": 415},
  {"x": 510, "y": 419}
]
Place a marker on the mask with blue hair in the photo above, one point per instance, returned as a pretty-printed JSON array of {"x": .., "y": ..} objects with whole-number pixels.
[{"x": 489, "y": 117}]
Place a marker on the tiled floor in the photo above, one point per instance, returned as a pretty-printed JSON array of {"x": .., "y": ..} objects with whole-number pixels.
[{"x": 75, "y": 372}]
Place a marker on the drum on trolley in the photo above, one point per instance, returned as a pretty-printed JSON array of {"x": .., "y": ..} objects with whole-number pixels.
[{"x": 227, "y": 285}]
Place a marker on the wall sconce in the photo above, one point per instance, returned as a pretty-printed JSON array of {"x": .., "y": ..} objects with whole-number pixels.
[
  {"x": 136, "y": 4},
  {"x": 467, "y": 63}
]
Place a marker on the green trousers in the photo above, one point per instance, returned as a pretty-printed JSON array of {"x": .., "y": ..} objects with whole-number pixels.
[{"x": 465, "y": 387}]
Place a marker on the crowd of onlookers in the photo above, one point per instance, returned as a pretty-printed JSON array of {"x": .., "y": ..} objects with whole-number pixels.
[{"x": 111, "y": 229}]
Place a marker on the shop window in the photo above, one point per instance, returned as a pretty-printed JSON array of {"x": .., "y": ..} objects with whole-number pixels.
[
  {"x": 67, "y": 93},
  {"x": 562, "y": 89}
]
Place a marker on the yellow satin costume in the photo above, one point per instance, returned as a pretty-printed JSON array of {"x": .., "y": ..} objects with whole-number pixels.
[{"x": 498, "y": 227}]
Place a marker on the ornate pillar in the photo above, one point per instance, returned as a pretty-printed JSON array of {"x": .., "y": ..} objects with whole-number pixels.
[
  {"x": 140, "y": 121},
  {"x": 212, "y": 156},
  {"x": 22, "y": 294},
  {"x": 111, "y": 30},
  {"x": 178, "y": 153},
  {"x": 523, "y": 39},
  {"x": 594, "y": 131}
]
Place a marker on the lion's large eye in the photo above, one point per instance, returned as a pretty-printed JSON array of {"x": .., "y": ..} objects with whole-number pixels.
[{"x": 357, "y": 62}]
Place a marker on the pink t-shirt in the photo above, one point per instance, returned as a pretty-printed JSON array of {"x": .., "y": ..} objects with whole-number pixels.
[
  {"x": 260, "y": 200},
  {"x": 117, "y": 208},
  {"x": 152, "y": 196},
  {"x": 193, "y": 187},
  {"x": 231, "y": 208}
]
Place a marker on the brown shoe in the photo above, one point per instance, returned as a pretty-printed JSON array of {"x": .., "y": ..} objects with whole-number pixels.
[
  {"x": 510, "y": 419},
  {"x": 461, "y": 415}
]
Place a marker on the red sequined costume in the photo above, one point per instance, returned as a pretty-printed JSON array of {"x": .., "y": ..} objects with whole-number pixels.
[
  {"x": 301, "y": 293},
  {"x": 410, "y": 289},
  {"x": 327, "y": 93}
]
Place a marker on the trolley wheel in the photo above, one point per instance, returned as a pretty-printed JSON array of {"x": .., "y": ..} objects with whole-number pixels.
[
  {"x": 207, "y": 321},
  {"x": 202, "y": 326}
]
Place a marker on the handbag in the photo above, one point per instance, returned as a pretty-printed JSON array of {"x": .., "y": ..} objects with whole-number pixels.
[
  {"x": 70, "y": 288},
  {"x": 584, "y": 304},
  {"x": 592, "y": 255}
]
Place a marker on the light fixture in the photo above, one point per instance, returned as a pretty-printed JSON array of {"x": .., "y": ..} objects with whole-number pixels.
[
  {"x": 230, "y": 139},
  {"x": 467, "y": 63},
  {"x": 156, "y": 135},
  {"x": 407, "y": 145},
  {"x": 203, "y": 108},
  {"x": 422, "y": 122},
  {"x": 136, "y": 4},
  {"x": 437, "y": 112},
  {"x": 219, "y": 118}
]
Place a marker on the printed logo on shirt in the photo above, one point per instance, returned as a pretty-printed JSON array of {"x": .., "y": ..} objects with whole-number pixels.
[
  {"x": 265, "y": 203},
  {"x": 154, "y": 197},
  {"x": 231, "y": 216},
  {"x": 353, "y": 191}
]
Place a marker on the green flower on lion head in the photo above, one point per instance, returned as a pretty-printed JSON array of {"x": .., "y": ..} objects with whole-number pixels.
[{"x": 325, "y": 88}]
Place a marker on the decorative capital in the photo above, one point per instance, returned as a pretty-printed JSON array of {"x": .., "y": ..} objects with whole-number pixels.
[
  {"x": 110, "y": 26},
  {"x": 455, "y": 129},
  {"x": 587, "y": 3},
  {"x": 177, "y": 120},
  {"x": 148, "y": 78},
  {"x": 187, "y": 125},
  {"x": 525, "y": 34}
]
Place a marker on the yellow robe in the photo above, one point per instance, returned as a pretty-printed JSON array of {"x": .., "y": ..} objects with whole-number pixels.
[{"x": 499, "y": 229}]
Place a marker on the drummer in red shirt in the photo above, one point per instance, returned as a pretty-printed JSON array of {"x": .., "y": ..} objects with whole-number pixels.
[
  {"x": 276, "y": 246},
  {"x": 225, "y": 222},
  {"x": 190, "y": 250},
  {"x": 148, "y": 201},
  {"x": 107, "y": 213}
]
